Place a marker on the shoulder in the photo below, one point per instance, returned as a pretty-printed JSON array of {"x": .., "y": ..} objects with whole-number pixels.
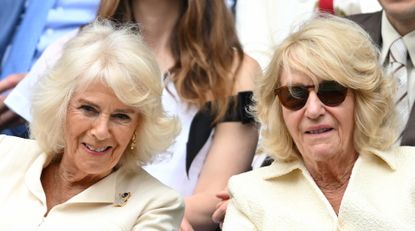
[
  {"x": 405, "y": 155},
  {"x": 12, "y": 143},
  {"x": 145, "y": 202},
  {"x": 251, "y": 180},
  {"x": 152, "y": 192},
  {"x": 400, "y": 159},
  {"x": 252, "y": 191},
  {"x": 17, "y": 153},
  {"x": 371, "y": 23},
  {"x": 366, "y": 18},
  {"x": 258, "y": 173},
  {"x": 246, "y": 71}
]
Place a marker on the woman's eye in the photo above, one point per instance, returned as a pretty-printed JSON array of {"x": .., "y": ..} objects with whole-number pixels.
[
  {"x": 299, "y": 92},
  {"x": 89, "y": 110},
  {"x": 121, "y": 117}
]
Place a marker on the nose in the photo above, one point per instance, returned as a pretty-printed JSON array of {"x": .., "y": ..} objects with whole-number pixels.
[
  {"x": 314, "y": 108},
  {"x": 100, "y": 128}
]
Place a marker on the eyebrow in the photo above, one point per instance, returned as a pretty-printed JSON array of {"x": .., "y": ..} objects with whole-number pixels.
[
  {"x": 118, "y": 110},
  {"x": 127, "y": 111}
]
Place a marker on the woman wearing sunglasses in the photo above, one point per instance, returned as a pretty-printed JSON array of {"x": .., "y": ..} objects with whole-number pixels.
[{"x": 326, "y": 110}]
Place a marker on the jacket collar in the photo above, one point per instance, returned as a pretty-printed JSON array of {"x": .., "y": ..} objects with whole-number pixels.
[
  {"x": 107, "y": 190},
  {"x": 101, "y": 192},
  {"x": 281, "y": 168}
]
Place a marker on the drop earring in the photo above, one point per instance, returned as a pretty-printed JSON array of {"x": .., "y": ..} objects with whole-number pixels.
[{"x": 132, "y": 145}]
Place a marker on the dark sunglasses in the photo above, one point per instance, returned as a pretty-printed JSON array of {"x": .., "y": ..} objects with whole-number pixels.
[{"x": 295, "y": 97}]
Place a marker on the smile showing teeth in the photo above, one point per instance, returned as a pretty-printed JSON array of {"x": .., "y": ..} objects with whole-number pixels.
[
  {"x": 95, "y": 149},
  {"x": 318, "y": 131}
]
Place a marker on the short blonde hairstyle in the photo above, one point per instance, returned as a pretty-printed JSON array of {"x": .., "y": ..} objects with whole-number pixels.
[
  {"x": 116, "y": 55},
  {"x": 329, "y": 48}
]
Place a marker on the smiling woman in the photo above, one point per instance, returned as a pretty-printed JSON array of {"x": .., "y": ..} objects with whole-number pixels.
[
  {"x": 97, "y": 118},
  {"x": 98, "y": 129}
]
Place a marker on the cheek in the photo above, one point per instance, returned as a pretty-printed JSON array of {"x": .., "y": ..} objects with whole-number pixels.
[
  {"x": 125, "y": 134},
  {"x": 75, "y": 129},
  {"x": 69, "y": 133},
  {"x": 123, "y": 137},
  {"x": 76, "y": 126},
  {"x": 349, "y": 123},
  {"x": 348, "y": 116},
  {"x": 291, "y": 120}
]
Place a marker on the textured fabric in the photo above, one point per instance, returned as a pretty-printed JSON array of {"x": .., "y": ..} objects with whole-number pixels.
[
  {"x": 380, "y": 196},
  {"x": 397, "y": 67},
  {"x": 151, "y": 206}
]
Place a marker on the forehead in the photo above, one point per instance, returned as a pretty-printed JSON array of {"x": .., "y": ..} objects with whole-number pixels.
[
  {"x": 290, "y": 77},
  {"x": 92, "y": 87},
  {"x": 99, "y": 93}
]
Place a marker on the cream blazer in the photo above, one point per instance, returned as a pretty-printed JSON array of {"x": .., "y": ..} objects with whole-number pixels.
[
  {"x": 151, "y": 205},
  {"x": 380, "y": 196}
]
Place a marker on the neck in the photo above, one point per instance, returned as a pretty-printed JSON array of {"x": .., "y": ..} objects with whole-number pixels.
[
  {"x": 75, "y": 179},
  {"x": 403, "y": 27},
  {"x": 157, "y": 19},
  {"x": 333, "y": 174},
  {"x": 59, "y": 187},
  {"x": 332, "y": 177}
]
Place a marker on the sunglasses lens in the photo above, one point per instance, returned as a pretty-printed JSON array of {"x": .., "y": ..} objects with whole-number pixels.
[
  {"x": 331, "y": 93},
  {"x": 293, "y": 98}
]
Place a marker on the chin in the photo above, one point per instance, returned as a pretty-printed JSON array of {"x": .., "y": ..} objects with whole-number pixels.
[{"x": 324, "y": 153}]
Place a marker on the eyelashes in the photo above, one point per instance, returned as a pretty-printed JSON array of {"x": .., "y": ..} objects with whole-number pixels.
[{"x": 91, "y": 111}]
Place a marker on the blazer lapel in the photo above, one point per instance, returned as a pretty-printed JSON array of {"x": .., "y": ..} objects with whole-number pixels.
[{"x": 371, "y": 23}]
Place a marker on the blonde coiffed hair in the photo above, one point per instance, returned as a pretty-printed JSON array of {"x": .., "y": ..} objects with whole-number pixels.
[
  {"x": 329, "y": 48},
  {"x": 116, "y": 55}
]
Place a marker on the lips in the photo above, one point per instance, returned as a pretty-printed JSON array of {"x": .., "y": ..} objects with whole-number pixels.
[
  {"x": 318, "y": 131},
  {"x": 96, "y": 149}
]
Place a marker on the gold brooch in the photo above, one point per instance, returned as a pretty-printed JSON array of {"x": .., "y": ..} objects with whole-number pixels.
[{"x": 121, "y": 199}]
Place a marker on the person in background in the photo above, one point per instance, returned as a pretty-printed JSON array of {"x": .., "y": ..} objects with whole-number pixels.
[
  {"x": 9, "y": 18},
  {"x": 263, "y": 24},
  {"x": 391, "y": 28},
  {"x": 329, "y": 123},
  {"x": 208, "y": 83},
  {"x": 42, "y": 22},
  {"x": 97, "y": 113}
]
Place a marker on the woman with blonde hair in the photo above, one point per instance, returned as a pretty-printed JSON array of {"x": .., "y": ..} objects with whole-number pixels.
[
  {"x": 97, "y": 118},
  {"x": 327, "y": 111},
  {"x": 208, "y": 87}
]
